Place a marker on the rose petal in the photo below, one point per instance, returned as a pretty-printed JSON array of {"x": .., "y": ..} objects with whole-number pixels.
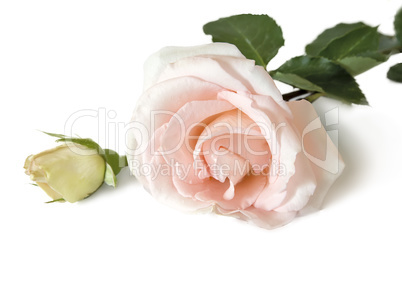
[
  {"x": 192, "y": 190},
  {"x": 254, "y": 149},
  {"x": 236, "y": 132},
  {"x": 148, "y": 169},
  {"x": 156, "y": 107},
  {"x": 246, "y": 193},
  {"x": 157, "y": 62},
  {"x": 164, "y": 190},
  {"x": 244, "y": 102},
  {"x": 264, "y": 219},
  {"x": 207, "y": 69},
  {"x": 140, "y": 161},
  {"x": 283, "y": 140},
  {"x": 300, "y": 187},
  {"x": 325, "y": 160},
  {"x": 175, "y": 149},
  {"x": 226, "y": 164},
  {"x": 160, "y": 102},
  {"x": 255, "y": 78}
]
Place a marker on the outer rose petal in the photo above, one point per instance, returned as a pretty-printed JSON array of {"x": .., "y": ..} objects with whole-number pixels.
[
  {"x": 207, "y": 69},
  {"x": 170, "y": 96},
  {"x": 300, "y": 186},
  {"x": 210, "y": 185},
  {"x": 164, "y": 190},
  {"x": 167, "y": 97},
  {"x": 264, "y": 219},
  {"x": 157, "y": 62},
  {"x": 137, "y": 161},
  {"x": 254, "y": 77},
  {"x": 235, "y": 74},
  {"x": 328, "y": 164},
  {"x": 161, "y": 186}
]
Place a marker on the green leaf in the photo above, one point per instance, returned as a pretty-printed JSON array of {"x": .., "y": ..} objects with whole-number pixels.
[
  {"x": 398, "y": 25},
  {"x": 331, "y": 36},
  {"x": 258, "y": 37},
  {"x": 355, "y": 42},
  {"x": 359, "y": 64},
  {"x": 395, "y": 73},
  {"x": 356, "y": 47},
  {"x": 295, "y": 80},
  {"x": 319, "y": 74},
  {"x": 388, "y": 44}
]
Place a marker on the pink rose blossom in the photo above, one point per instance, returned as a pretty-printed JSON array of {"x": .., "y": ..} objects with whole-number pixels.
[{"x": 211, "y": 132}]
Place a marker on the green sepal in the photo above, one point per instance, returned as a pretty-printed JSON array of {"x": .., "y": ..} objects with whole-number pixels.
[
  {"x": 85, "y": 142},
  {"x": 56, "y": 200},
  {"x": 110, "y": 177},
  {"x": 114, "y": 164},
  {"x": 116, "y": 161},
  {"x": 60, "y": 136}
]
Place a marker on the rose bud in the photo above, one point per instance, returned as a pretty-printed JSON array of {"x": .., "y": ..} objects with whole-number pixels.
[
  {"x": 70, "y": 171},
  {"x": 74, "y": 170}
]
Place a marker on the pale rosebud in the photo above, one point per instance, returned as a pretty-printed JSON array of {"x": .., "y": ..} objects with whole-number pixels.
[{"x": 69, "y": 172}]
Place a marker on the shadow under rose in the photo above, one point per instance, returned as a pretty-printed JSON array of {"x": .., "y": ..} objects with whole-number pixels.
[
  {"x": 124, "y": 182},
  {"x": 359, "y": 137},
  {"x": 352, "y": 155}
]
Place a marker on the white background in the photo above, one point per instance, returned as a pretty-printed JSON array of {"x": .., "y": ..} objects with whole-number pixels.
[{"x": 60, "y": 57}]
